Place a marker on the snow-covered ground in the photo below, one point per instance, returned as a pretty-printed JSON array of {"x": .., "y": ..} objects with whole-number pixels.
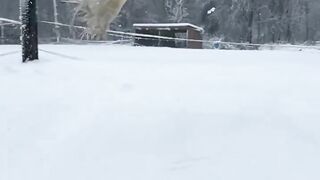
[{"x": 95, "y": 112}]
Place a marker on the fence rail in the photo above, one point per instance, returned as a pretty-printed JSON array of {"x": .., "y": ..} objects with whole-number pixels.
[{"x": 132, "y": 35}]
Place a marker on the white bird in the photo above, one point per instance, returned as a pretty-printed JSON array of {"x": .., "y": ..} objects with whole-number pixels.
[{"x": 98, "y": 15}]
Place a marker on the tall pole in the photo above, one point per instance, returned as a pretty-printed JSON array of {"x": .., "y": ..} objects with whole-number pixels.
[{"x": 29, "y": 30}]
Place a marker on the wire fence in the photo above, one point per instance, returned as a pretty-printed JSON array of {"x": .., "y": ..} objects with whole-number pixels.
[
  {"x": 219, "y": 43},
  {"x": 9, "y": 53},
  {"x": 130, "y": 37}
]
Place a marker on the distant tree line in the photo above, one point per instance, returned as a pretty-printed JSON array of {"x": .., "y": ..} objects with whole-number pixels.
[
  {"x": 254, "y": 21},
  {"x": 264, "y": 21}
]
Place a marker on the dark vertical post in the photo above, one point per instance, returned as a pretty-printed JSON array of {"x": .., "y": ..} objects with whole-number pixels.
[{"x": 29, "y": 30}]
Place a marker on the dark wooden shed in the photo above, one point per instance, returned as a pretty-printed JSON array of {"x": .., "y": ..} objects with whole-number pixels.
[{"x": 171, "y": 30}]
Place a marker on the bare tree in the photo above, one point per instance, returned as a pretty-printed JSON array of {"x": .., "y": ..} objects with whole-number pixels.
[{"x": 176, "y": 10}]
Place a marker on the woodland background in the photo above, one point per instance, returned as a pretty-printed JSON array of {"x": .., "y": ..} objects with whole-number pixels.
[{"x": 254, "y": 21}]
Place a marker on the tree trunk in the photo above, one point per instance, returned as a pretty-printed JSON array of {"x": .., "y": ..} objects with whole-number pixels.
[{"x": 29, "y": 30}]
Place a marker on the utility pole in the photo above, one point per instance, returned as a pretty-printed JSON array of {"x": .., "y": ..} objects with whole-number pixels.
[{"x": 29, "y": 30}]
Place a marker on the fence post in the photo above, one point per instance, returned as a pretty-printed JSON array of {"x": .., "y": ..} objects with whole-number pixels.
[
  {"x": 29, "y": 30},
  {"x": 2, "y": 41},
  {"x": 56, "y": 26}
]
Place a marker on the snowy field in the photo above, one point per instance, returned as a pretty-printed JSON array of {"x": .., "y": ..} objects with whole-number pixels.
[{"x": 95, "y": 112}]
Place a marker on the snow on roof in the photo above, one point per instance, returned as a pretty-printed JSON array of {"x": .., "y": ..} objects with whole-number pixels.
[{"x": 165, "y": 25}]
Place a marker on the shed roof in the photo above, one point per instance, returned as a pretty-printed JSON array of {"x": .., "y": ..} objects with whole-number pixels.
[{"x": 167, "y": 25}]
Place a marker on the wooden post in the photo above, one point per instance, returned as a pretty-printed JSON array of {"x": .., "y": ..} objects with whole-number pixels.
[
  {"x": 2, "y": 33},
  {"x": 29, "y": 30},
  {"x": 56, "y": 26}
]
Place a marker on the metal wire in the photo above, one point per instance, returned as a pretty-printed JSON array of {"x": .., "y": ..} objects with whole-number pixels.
[
  {"x": 9, "y": 53},
  {"x": 148, "y": 36}
]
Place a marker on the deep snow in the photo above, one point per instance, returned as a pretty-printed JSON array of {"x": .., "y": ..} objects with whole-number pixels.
[{"x": 95, "y": 112}]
